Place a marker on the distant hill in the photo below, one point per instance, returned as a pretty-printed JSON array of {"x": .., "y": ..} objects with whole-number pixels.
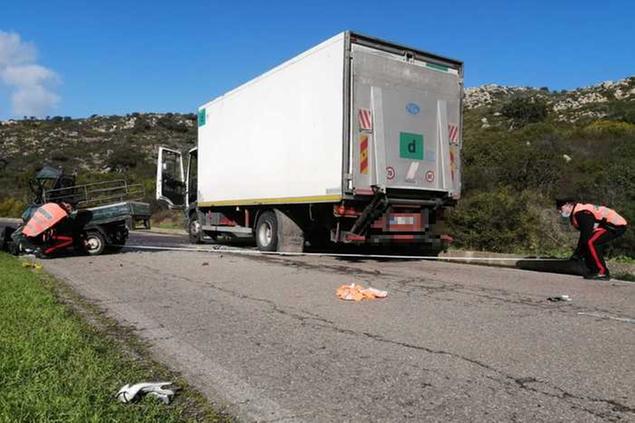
[
  {"x": 522, "y": 147},
  {"x": 99, "y": 146},
  {"x": 608, "y": 100}
]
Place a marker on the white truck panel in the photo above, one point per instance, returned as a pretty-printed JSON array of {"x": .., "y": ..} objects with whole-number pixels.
[{"x": 279, "y": 136}]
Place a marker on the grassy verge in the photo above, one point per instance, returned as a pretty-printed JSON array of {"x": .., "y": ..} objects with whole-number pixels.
[
  {"x": 56, "y": 367},
  {"x": 168, "y": 219}
]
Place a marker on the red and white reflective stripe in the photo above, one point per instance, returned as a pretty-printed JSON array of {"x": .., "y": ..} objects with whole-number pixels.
[
  {"x": 591, "y": 244},
  {"x": 365, "y": 119},
  {"x": 453, "y": 133},
  {"x": 363, "y": 154}
]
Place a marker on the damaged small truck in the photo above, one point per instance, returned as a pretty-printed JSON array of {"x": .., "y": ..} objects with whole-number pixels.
[
  {"x": 356, "y": 140},
  {"x": 89, "y": 218}
]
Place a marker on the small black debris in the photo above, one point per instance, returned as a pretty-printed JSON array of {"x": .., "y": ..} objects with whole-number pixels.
[{"x": 559, "y": 298}]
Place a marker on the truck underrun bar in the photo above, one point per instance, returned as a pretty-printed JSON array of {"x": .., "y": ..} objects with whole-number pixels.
[{"x": 373, "y": 210}]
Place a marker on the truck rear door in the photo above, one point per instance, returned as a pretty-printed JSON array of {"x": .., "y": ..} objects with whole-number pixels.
[{"x": 405, "y": 123}]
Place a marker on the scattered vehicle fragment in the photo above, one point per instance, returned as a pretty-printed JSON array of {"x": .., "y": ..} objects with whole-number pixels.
[
  {"x": 129, "y": 393},
  {"x": 356, "y": 141},
  {"x": 355, "y": 292},
  {"x": 562, "y": 297},
  {"x": 32, "y": 265}
]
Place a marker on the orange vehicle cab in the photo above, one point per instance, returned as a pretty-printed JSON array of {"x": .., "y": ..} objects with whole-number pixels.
[{"x": 44, "y": 218}]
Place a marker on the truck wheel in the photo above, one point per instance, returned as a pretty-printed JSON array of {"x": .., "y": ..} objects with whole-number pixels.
[
  {"x": 95, "y": 243},
  {"x": 267, "y": 231},
  {"x": 194, "y": 230}
]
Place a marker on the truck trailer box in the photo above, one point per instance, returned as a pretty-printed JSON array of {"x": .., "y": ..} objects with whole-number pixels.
[
  {"x": 350, "y": 120},
  {"x": 346, "y": 115}
]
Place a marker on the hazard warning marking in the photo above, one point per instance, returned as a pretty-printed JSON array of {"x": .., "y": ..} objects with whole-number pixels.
[
  {"x": 390, "y": 173},
  {"x": 363, "y": 154},
  {"x": 453, "y": 133},
  {"x": 365, "y": 120}
]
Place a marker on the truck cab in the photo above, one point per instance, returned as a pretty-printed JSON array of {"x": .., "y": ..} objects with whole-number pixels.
[{"x": 177, "y": 185}]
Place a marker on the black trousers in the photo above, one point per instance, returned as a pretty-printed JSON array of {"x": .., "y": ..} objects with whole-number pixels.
[{"x": 593, "y": 253}]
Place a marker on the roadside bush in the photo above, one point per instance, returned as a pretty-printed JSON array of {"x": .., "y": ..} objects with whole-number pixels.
[
  {"x": 610, "y": 128},
  {"x": 11, "y": 207},
  {"x": 506, "y": 221},
  {"x": 624, "y": 112},
  {"x": 125, "y": 158},
  {"x": 141, "y": 125},
  {"x": 163, "y": 217},
  {"x": 171, "y": 123},
  {"x": 524, "y": 110}
]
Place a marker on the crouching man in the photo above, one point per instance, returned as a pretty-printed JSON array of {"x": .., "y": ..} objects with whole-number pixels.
[{"x": 597, "y": 225}]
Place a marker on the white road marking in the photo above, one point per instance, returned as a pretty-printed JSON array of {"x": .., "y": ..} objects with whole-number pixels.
[
  {"x": 222, "y": 249},
  {"x": 608, "y": 316}
]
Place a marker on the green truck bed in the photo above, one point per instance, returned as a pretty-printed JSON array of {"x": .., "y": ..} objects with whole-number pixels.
[{"x": 133, "y": 212}]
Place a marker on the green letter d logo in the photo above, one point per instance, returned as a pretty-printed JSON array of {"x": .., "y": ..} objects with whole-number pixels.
[{"x": 411, "y": 146}]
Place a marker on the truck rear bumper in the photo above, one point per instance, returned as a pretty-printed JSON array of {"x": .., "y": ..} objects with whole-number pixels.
[{"x": 401, "y": 224}]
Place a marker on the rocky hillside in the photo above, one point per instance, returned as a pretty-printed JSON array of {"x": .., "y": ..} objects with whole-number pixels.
[
  {"x": 608, "y": 100},
  {"x": 99, "y": 147}
]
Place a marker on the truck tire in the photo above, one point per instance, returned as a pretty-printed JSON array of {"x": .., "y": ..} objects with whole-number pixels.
[
  {"x": 95, "y": 243},
  {"x": 194, "y": 230},
  {"x": 267, "y": 231}
]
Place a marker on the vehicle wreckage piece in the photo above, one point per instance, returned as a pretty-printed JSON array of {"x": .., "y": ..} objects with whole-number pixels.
[
  {"x": 129, "y": 393},
  {"x": 43, "y": 219},
  {"x": 355, "y": 292},
  {"x": 89, "y": 218}
]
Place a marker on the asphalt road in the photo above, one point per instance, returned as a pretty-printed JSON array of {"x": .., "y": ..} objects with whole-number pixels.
[{"x": 267, "y": 339}]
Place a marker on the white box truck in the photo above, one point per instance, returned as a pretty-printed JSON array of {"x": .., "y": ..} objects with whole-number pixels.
[{"x": 356, "y": 140}]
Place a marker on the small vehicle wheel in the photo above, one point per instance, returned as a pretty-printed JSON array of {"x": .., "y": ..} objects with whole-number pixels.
[
  {"x": 95, "y": 243},
  {"x": 267, "y": 231},
  {"x": 195, "y": 230}
]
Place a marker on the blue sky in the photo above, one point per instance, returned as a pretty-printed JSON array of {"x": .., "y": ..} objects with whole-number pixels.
[{"x": 117, "y": 57}]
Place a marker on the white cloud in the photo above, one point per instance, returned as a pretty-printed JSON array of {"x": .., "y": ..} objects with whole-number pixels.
[
  {"x": 33, "y": 100},
  {"x": 13, "y": 51},
  {"x": 31, "y": 84}
]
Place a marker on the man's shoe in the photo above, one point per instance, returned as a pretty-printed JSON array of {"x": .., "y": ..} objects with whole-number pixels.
[{"x": 598, "y": 277}]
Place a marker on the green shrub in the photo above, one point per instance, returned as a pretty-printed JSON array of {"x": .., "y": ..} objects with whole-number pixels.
[
  {"x": 506, "y": 220},
  {"x": 11, "y": 207},
  {"x": 610, "y": 128},
  {"x": 524, "y": 110}
]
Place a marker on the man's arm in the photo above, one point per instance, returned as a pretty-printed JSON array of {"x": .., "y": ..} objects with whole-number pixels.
[{"x": 585, "y": 225}]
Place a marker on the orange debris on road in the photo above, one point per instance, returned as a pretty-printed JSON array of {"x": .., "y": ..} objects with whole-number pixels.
[{"x": 354, "y": 292}]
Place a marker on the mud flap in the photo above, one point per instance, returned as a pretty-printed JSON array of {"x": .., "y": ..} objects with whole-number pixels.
[{"x": 290, "y": 235}]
